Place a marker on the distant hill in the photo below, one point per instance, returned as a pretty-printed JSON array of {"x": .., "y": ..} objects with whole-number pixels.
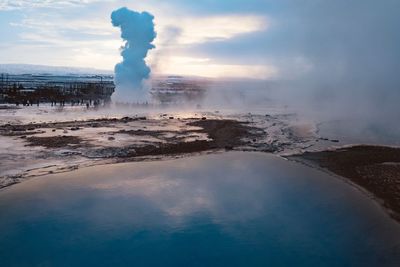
[{"x": 42, "y": 69}]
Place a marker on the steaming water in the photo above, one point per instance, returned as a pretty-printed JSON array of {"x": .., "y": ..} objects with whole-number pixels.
[
  {"x": 353, "y": 131},
  {"x": 231, "y": 209}
]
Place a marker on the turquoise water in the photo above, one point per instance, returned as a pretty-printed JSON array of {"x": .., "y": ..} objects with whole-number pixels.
[{"x": 231, "y": 209}]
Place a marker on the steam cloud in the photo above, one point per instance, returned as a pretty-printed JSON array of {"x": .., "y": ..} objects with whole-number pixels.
[
  {"x": 351, "y": 48},
  {"x": 137, "y": 29},
  {"x": 336, "y": 58}
]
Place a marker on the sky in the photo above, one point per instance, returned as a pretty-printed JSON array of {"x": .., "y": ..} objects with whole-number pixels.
[
  {"x": 79, "y": 34},
  {"x": 336, "y": 45}
]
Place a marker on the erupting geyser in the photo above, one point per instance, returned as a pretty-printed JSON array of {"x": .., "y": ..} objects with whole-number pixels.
[{"x": 137, "y": 30}]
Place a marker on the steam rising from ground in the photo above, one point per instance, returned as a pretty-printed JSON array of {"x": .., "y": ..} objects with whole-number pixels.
[
  {"x": 346, "y": 52},
  {"x": 336, "y": 59},
  {"x": 137, "y": 30}
]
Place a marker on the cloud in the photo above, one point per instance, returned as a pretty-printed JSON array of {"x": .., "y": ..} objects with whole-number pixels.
[
  {"x": 49, "y": 23},
  {"x": 29, "y": 4},
  {"x": 208, "y": 68},
  {"x": 81, "y": 30},
  {"x": 64, "y": 28},
  {"x": 204, "y": 29}
]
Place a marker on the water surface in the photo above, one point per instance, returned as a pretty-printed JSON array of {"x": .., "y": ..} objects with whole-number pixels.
[{"x": 230, "y": 209}]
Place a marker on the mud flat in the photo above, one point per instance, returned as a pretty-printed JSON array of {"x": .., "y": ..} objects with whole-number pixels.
[
  {"x": 35, "y": 149},
  {"x": 374, "y": 168},
  {"x": 43, "y": 145},
  {"x": 219, "y": 134}
]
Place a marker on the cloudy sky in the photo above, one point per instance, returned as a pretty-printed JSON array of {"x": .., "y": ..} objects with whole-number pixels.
[
  {"x": 342, "y": 43},
  {"x": 190, "y": 36}
]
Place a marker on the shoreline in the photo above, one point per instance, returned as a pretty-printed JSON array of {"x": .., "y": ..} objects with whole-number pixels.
[
  {"x": 46, "y": 148},
  {"x": 30, "y": 150},
  {"x": 374, "y": 170}
]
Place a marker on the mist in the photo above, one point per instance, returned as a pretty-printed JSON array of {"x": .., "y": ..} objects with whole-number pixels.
[
  {"x": 348, "y": 54},
  {"x": 335, "y": 59},
  {"x": 338, "y": 62}
]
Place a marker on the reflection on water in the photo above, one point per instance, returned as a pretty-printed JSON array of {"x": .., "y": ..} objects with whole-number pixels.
[{"x": 232, "y": 209}]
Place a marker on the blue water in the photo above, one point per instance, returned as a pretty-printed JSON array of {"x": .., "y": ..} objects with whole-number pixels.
[{"x": 231, "y": 209}]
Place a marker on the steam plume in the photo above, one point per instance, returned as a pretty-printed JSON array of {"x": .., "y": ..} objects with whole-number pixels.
[{"x": 137, "y": 29}]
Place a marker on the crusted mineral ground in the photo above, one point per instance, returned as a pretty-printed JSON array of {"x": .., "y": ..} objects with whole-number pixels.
[
  {"x": 33, "y": 149},
  {"x": 58, "y": 144},
  {"x": 374, "y": 168}
]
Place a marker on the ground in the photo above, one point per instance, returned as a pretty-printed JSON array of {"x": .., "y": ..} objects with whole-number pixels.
[
  {"x": 48, "y": 143},
  {"x": 375, "y": 168},
  {"x": 38, "y": 142}
]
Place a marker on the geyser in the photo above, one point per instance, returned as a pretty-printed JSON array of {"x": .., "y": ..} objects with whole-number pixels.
[{"x": 137, "y": 30}]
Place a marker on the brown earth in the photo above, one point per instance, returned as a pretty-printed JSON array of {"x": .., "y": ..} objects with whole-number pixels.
[
  {"x": 223, "y": 134},
  {"x": 54, "y": 141},
  {"x": 375, "y": 168}
]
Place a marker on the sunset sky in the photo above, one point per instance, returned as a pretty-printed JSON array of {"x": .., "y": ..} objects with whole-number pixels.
[
  {"x": 193, "y": 39},
  {"x": 352, "y": 42}
]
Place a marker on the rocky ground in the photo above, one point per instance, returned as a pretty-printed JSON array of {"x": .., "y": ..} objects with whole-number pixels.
[
  {"x": 46, "y": 143},
  {"x": 375, "y": 168},
  {"x": 37, "y": 148}
]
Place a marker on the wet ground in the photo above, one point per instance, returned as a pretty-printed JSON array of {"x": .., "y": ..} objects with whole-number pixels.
[
  {"x": 46, "y": 140},
  {"x": 56, "y": 143},
  {"x": 375, "y": 168}
]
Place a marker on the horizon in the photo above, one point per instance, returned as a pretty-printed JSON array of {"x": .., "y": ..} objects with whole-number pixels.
[{"x": 32, "y": 69}]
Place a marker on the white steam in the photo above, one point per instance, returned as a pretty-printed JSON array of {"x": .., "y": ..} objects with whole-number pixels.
[{"x": 137, "y": 30}]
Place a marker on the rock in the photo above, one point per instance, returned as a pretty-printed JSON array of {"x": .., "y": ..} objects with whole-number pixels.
[
  {"x": 16, "y": 129},
  {"x": 111, "y": 152},
  {"x": 70, "y": 153},
  {"x": 126, "y": 119}
]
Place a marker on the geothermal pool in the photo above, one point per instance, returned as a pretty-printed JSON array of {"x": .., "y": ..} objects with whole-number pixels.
[{"x": 227, "y": 209}]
